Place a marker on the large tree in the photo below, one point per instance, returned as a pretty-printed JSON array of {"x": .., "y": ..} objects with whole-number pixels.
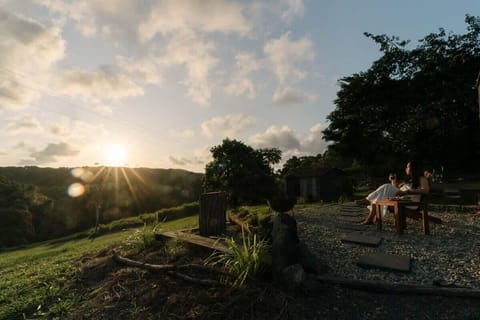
[
  {"x": 246, "y": 174},
  {"x": 412, "y": 103}
]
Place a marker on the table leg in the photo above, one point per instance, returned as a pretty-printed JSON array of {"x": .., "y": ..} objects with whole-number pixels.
[
  {"x": 378, "y": 215},
  {"x": 425, "y": 225},
  {"x": 398, "y": 218}
]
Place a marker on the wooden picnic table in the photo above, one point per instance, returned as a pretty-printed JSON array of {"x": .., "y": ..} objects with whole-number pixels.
[{"x": 399, "y": 210}]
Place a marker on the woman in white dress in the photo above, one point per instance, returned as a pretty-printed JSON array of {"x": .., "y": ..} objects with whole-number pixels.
[{"x": 415, "y": 186}]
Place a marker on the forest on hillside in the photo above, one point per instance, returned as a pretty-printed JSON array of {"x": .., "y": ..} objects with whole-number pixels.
[{"x": 43, "y": 203}]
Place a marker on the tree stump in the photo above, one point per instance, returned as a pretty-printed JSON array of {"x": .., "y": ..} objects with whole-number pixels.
[{"x": 213, "y": 208}]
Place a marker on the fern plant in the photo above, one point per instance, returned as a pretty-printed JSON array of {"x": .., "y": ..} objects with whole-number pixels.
[{"x": 243, "y": 261}]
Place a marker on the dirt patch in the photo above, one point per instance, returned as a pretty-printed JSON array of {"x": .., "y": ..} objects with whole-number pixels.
[{"x": 121, "y": 292}]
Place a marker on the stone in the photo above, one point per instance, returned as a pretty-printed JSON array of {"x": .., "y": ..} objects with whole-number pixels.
[
  {"x": 293, "y": 276},
  {"x": 358, "y": 238},
  {"x": 390, "y": 262}
]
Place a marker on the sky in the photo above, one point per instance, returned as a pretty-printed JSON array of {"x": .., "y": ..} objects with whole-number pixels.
[{"x": 157, "y": 83}]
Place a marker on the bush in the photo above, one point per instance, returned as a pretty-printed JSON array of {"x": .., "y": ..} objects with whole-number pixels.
[{"x": 183, "y": 211}]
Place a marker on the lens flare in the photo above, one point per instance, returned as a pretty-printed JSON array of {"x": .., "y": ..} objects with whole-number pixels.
[{"x": 75, "y": 190}]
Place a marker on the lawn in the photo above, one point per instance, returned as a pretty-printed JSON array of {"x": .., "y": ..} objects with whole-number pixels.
[{"x": 40, "y": 280}]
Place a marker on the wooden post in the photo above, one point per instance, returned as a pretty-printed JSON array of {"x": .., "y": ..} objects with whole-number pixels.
[{"x": 213, "y": 207}]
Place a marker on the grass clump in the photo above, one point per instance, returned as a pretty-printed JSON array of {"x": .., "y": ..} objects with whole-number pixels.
[{"x": 245, "y": 261}]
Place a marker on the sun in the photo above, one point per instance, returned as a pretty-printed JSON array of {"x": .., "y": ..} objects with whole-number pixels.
[{"x": 115, "y": 155}]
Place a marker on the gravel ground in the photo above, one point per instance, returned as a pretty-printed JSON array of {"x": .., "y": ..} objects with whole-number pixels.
[{"x": 450, "y": 254}]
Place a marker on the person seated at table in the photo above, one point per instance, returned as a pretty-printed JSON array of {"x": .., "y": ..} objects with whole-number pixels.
[{"x": 415, "y": 185}]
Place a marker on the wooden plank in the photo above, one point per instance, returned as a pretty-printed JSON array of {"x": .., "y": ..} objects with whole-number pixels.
[
  {"x": 399, "y": 288},
  {"x": 385, "y": 261},
  {"x": 358, "y": 238},
  {"x": 195, "y": 239}
]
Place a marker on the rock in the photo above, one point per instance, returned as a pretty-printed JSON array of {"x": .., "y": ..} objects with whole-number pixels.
[
  {"x": 293, "y": 276},
  {"x": 284, "y": 244},
  {"x": 288, "y": 250}
]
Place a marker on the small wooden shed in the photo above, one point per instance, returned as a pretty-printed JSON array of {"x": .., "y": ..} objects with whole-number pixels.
[{"x": 327, "y": 184}]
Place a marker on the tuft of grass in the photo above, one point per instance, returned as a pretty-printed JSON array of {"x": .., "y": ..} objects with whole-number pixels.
[{"x": 243, "y": 261}]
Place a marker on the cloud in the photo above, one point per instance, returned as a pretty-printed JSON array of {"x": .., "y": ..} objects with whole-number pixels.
[
  {"x": 144, "y": 68},
  {"x": 287, "y": 140},
  {"x": 28, "y": 51},
  {"x": 314, "y": 143},
  {"x": 24, "y": 124},
  {"x": 290, "y": 96},
  {"x": 181, "y": 161},
  {"x": 294, "y": 8},
  {"x": 50, "y": 153},
  {"x": 245, "y": 64},
  {"x": 202, "y": 16},
  {"x": 228, "y": 125},
  {"x": 196, "y": 55},
  {"x": 100, "y": 84},
  {"x": 285, "y": 54},
  {"x": 114, "y": 19},
  {"x": 283, "y": 138}
]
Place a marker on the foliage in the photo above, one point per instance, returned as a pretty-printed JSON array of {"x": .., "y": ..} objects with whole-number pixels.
[
  {"x": 41, "y": 280},
  {"x": 244, "y": 261},
  {"x": 246, "y": 174},
  {"x": 412, "y": 103},
  {"x": 36, "y": 206}
]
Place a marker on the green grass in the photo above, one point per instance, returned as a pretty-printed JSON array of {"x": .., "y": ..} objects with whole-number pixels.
[{"x": 39, "y": 281}]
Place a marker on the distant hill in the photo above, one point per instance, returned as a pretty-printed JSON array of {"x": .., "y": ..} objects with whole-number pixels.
[{"x": 58, "y": 201}]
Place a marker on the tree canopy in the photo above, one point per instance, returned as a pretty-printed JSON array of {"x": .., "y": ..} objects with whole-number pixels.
[
  {"x": 246, "y": 174},
  {"x": 412, "y": 103}
]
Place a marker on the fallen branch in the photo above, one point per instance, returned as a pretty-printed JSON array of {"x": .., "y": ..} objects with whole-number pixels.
[
  {"x": 170, "y": 269},
  {"x": 192, "y": 279},
  {"x": 396, "y": 288},
  {"x": 235, "y": 218}
]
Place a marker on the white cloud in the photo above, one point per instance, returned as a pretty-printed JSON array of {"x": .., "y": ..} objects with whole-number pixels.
[
  {"x": 245, "y": 65},
  {"x": 51, "y": 153},
  {"x": 314, "y": 144},
  {"x": 24, "y": 124},
  {"x": 294, "y": 8},
  {"x": 144, "y": 69},
  {"x": 228, "y": 125},
  {"x": 290, "y": 96},
  {"x": 287, "y": 140},
  {"x": 285, "y": 55},
  {"x": 196, "y": 55},
  {"x": 114, "y": 19},
  {"x": 204, "y": 16},
  {"x": 283, "y": 138},
  {"x": 104, "y": 83},
  {"x": 28, "y": 51}
]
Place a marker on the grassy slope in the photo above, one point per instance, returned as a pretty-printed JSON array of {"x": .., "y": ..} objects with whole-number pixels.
[{"x": 40, "y": 279}]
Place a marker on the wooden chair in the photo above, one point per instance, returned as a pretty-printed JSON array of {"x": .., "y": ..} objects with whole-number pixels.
[{"x": 421, "y": 213}]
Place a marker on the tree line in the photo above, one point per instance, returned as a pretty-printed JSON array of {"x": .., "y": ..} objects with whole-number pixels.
[{"x": 38, "y": 203}]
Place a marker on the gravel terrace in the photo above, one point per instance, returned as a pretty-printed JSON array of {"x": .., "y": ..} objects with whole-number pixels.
[{"x": 450, "y": 254}]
